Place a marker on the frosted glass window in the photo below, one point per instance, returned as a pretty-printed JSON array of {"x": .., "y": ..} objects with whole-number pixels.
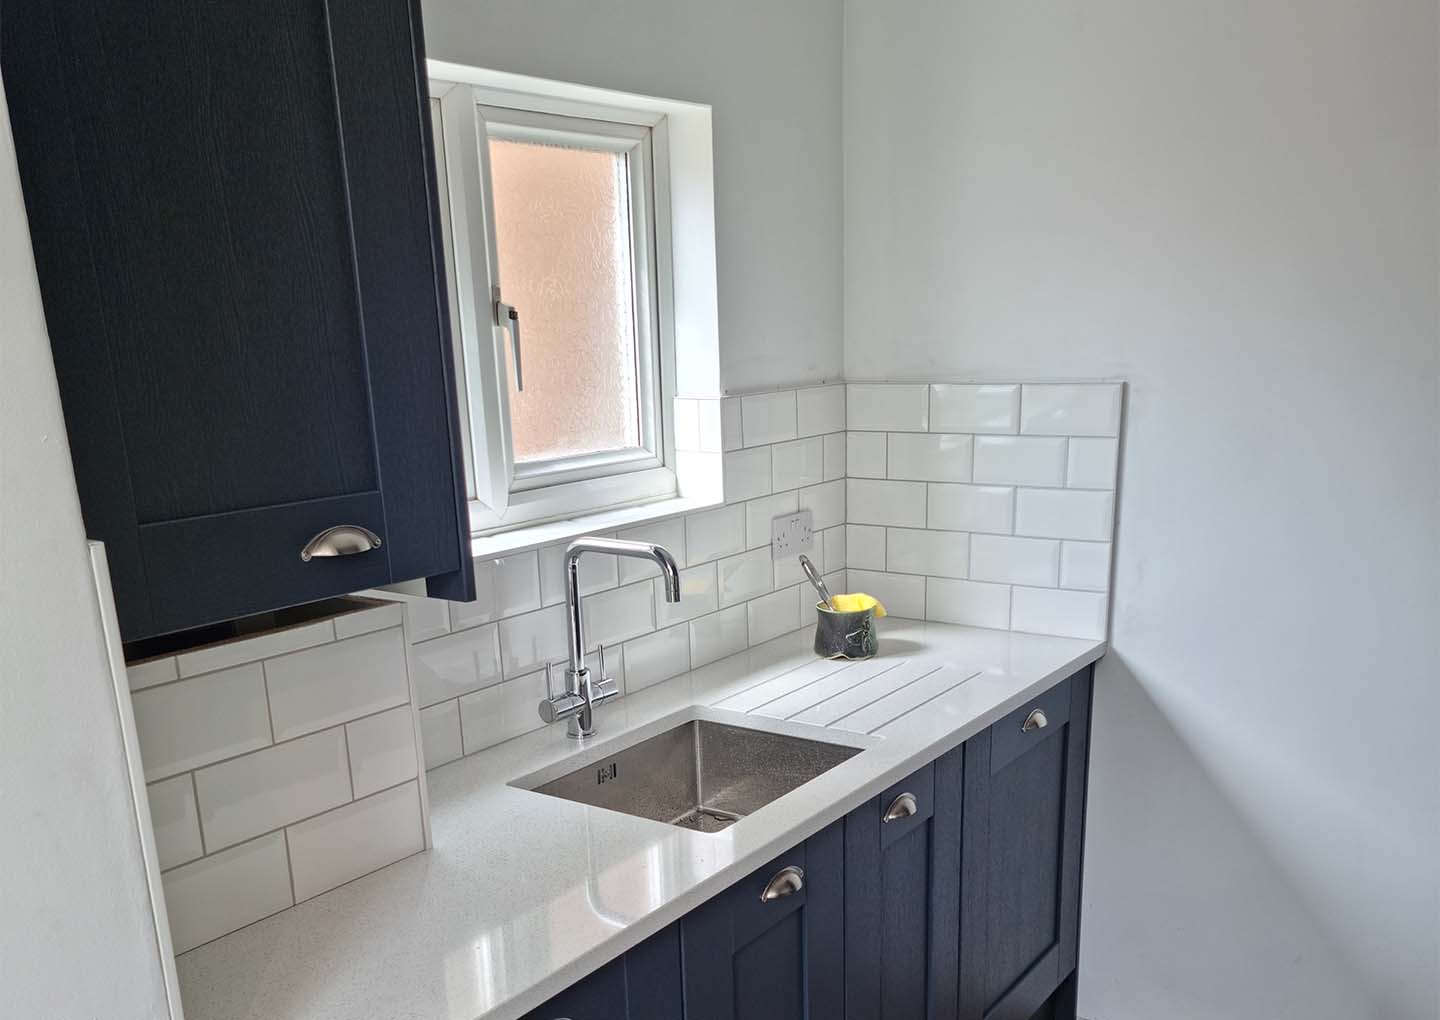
[{"x": 562, "y": 235}]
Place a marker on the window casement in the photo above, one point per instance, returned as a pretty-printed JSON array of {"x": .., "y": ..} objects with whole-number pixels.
[{"x": 557, "y": 237}]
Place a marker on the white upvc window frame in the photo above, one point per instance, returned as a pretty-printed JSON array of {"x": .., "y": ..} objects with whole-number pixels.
[{"x": 503, "y": 494}]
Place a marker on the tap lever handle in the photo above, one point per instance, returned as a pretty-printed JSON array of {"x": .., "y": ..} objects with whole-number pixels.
[{"x": 600, "y": 654}]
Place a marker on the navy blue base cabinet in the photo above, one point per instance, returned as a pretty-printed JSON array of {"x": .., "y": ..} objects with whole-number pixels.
[
  {"x": 954, "y": 895},
  {"x": 237, "y": 239}
]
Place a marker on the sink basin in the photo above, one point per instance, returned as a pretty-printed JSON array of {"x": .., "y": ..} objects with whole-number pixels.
[{"x": 701, "y": 774}]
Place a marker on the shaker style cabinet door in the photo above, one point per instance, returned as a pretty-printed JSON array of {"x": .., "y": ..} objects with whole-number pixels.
[
  {"x": 902, "y": 898},
  {"x": 234, "y": 222},
  {"x": 771, "y": 947},
  {"x": 1022, "y": 837},
  {"x": 644, "y": 984}
]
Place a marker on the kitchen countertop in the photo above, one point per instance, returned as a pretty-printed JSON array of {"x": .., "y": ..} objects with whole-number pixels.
[{"x": 524, "y": 894}]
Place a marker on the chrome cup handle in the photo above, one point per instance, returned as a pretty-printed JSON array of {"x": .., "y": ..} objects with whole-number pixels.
[
  {"x": 341, "y": 540},
  {"x": 1034, "y": 721},
  {"x": 787, "y": 882},
  {"x": 902, "y": 806}
]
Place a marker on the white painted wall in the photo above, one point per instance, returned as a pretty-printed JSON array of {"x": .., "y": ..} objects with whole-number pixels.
[
  {"x": 1232, "y": 205},
  {"x": 772, "y": 73},
  {"x": 77, "y": 938}
]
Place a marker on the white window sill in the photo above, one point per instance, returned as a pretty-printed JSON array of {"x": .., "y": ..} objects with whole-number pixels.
[{"x": 488, "y": 547}]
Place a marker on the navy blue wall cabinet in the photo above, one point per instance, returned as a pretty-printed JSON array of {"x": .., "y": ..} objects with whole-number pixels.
[
  {"x": 236, "y": 233},
  {"x": 749, "y": 957},
  {"x": 1022, "y": 844},
  {"x": 644, "y": 984}
]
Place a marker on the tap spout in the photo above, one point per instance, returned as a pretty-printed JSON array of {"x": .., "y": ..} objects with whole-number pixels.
[{"x": 657, "y": 554}]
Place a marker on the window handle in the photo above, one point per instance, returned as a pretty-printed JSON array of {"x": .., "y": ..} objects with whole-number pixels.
[{"x": 508, "y": 318}]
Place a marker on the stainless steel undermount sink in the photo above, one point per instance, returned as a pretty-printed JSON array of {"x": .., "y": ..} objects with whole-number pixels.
[{"x": 700, "y": 774}]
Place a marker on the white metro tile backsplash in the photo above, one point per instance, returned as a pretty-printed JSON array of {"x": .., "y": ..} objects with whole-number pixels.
[
  {"x": 985, "y": 504},
  {"x": 924, "y": 476},
  {"x": 270, "y": 750}
]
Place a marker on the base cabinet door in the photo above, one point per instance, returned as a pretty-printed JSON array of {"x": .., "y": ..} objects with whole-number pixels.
[
  {"x": 902, "y": 898},
  {"x": 1022, "y": 837},
  {"x": 644, "y": 984},
  {"x": 772, "y": 947}
]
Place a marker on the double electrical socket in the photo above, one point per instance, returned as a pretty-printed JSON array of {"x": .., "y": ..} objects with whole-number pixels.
[{"x": 792, "y": 534}]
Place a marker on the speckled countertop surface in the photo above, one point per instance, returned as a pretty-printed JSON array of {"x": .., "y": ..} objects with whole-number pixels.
[{"x": 524, "y": 894}]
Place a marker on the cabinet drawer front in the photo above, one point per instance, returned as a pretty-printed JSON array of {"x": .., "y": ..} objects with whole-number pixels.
[
  {"x": 749, "y": 912},
  {"x": 209, "y": 569},
  {"x": 1010, "y": 739},
  {"x": 919, "y": 788}
]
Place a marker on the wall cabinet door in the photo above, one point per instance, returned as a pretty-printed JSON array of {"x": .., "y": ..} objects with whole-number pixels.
[
  {"x": 782, "y": 957},
  {"x": 902, "y": 898},
  {"x": 1023, "y": 831},
  {"x": 644, "y": 984},
  {"x": 234, "y": 221}
]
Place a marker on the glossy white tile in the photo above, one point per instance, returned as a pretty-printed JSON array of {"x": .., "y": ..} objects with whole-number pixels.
[
  {"x": 456, "y": 664},
  {"x": 532, "y": 639},
  {"x": 760, "y": 512},
  {"x": 865, "y": 454},
  {"x": 745, "y": 576},
  {"x": 597, "y": 572},
  {"x": 1079, "y": 614},
  {"x": 710, "y": 425},
  {"x": 1072, "y": 513},
  {"x": 424, "y": 617},
  {"x": 774, "y": 614},
  {"x": 788, "y": 570},
  {"x": 887, "y": 407},
  {"x": 215, "y": 895},
  {"x": 747, "y": 474},
  {"x": 967, "y": 602},
  {"x": 1086, "y": 409},
  {"x": 254, "y": 648},
  {"x": 1019, "y": 460},
  {"x": 985, "y": 508},
  {"x": 731, "y": 430},
  {"x": 898, "y": 504},
  {"x": 355, "y": 840},
  {"x": 503, "y": 587},
  {"x": 656, "y": 657},
  {"x": 150, "y": 672},
  {"x": 901, "y": 594},
  {"x": 1007, "y": 560},
  {"x": 382, "y": 750},
  {"x": 768, "y": 417},
  {"x": 797, "y": 463},
  {"x": 670, "y": 534},
  {"x": 364, "y": 621},
  {"x": 820, "y": 409},
  {"x": 1092, "y": 463},
  {"x": 865, "y": 546},
  {"x": 698, "y": 596},
  {"x": 246, "y": 796},
  {"x": 826, "y": 501},
  {"x": 833, "y": 545},
  {"x": 333, "y": 683},
  {"x": 975, "y": 408},
  {"x": 1085, "y": 565},
  {"x": 621, "y": 613},
  {"x": 712, "y": 534},
  {"x": 194, "y": 722},
  {"x": 440, "y": 733},
  {"x": 506, "y": 710},
  {"x": 834, "y": 456},
  {"x": 928, "y": 457},
  {"x": 175, "y": 820},
  {"x": 717, "y": 635},
  {"x": 917, "y": 551}
]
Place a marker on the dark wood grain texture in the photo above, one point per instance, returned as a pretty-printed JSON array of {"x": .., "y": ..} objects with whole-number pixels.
[{"x": 233, "y": 217}]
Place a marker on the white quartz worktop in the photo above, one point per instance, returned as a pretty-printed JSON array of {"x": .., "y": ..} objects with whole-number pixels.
[{"x": 524, "y": 894}]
